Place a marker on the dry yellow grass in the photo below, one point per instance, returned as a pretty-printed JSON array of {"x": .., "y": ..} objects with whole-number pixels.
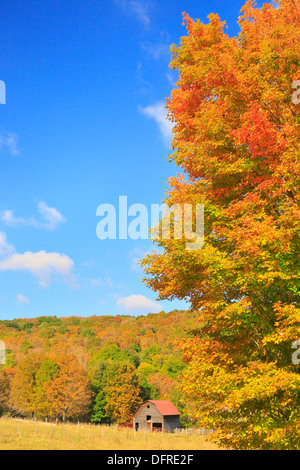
[{"x": 20, "y": 435}]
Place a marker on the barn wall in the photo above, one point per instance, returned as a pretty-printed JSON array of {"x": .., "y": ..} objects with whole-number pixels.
[
  {"x": 171, "y": 423},
  {"x": 140, "y": 416}
]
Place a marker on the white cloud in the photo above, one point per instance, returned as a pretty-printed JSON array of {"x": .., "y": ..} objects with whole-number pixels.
[
  {"x": 9, "y": 142},
  {"x": 50, "y": 218},
  {"x": 158, "y": 112},
  {"x": 42, "y": 265},
  {"x": 22, "y": 299},
  {"x": 139, "y": 304},
  {"x": 138, "y": 8},
  {"x": 10, "y": 220},
  {"x": 5, "y": 248}
]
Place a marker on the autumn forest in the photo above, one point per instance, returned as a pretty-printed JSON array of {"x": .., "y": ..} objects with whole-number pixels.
[{"x": 98, "y": 368}]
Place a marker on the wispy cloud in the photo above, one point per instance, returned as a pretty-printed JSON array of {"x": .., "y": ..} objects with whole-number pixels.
[
  {"x": 143, "y": 84},
  {"x": 50, "y": 218},
  {"x": 158, "y": 112},
  {"x": 137, "y": 8},
  {"x": 5, "y": 248},
  {"x": 9, "y": 143},
  {"x": 10, "y": 220},
  {"x": 139, "y": 304},
  {"x": 99, "y": 282},
  {"x": 159, "y": 49},
  {"x": 89, "y": 262},
  {"x": 42, "y": 265},
  {"x": 172, "y": 78},
  {"x": 22, "y": 299},
  {"x": 135, "y": 255}
]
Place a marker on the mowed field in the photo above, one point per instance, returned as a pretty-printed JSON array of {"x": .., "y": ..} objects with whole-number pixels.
[{"x": 21, "y": 435}]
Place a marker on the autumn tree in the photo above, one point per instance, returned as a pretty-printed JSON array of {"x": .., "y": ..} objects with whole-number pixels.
[
  {"x": 28, "y": 394},
  {"x": 69, "y": 393},
  {"x": 236, "y": 137},
  {"x": 4, "y": 390},
  {"x": 122, "y": 392},
  {"x": 50, "y": 386},
  {"x": 148, "y": 391}
]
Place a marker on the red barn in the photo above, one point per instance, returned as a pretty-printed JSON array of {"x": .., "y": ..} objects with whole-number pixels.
[{"x": 156, "y": 415}]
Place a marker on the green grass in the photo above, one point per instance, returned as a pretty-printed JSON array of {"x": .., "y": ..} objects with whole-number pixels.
[{"x": 21, "y": 435}]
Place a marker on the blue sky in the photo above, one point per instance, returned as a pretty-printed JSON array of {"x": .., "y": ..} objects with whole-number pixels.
[{"x": 83, "y": 124}]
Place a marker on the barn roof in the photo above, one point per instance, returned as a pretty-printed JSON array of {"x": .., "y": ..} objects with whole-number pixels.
[{"x": 165, "y": 407}]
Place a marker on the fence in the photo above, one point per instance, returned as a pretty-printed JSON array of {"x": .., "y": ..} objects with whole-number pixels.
[
  {"x": 78, "y": 424},
  {"x": 201, "y": 432}
]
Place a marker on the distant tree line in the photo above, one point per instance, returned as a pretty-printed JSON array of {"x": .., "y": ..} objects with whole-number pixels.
[{"x": 97, "y": 369}]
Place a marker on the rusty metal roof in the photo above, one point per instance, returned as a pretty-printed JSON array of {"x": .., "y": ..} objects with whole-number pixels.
[{"x": 165, "y": 407}]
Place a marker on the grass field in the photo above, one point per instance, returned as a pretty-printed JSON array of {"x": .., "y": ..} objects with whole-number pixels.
[{"x": 21, "y": 435}]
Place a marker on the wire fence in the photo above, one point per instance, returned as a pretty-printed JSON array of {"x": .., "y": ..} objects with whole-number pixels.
[{"x": 80, "y": 425}]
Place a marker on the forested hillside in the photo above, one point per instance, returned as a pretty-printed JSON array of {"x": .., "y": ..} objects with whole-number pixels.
[{"x": 96, "y": 368}]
